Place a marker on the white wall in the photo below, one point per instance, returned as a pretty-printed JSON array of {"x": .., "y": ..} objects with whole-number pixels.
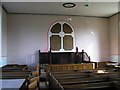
[
  {"x": 92, "y": 36},
  {"x": 3, "y": 39},
  {"x": 0, "y": 27},
  {"x": 0, "y": 42},
  {"x": 28, "y": 33},
  {"x": 113, "y": 23},
  {"x": 4, "y": 33}
]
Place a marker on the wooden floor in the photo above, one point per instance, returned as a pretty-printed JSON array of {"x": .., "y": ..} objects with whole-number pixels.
[
  {"x": 85, "y": 80},
  {"x": 43, "y": 85}
]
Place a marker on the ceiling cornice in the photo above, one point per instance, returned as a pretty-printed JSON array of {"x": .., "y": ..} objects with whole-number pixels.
[{"x": 59, "y": 0}]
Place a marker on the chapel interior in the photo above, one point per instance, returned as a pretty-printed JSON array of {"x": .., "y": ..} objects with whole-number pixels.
[{"x": 59, "y": 45}]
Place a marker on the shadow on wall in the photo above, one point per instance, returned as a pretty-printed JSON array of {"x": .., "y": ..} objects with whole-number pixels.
[{"x": 32, "y": 60}]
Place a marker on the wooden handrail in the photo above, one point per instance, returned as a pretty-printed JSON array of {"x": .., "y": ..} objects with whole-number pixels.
[
  {"x": 63, "y": 57},
  {"x": 87, "y": 56}
]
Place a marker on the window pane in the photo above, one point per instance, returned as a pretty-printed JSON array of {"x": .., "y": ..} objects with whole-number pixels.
[
  {"x": 55, "y": 42},
  {"x": 68, "y": 42},
  {"x": 67, "y": 28},
  {"x": 56, "y": 28}
]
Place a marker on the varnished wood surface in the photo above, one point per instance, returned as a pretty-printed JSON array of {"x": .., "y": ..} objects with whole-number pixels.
[{"x": 85, "y": 80}]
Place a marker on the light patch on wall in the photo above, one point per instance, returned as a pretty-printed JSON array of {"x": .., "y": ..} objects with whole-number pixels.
[
  {"x": 93, "y": 47},
  {"x": 3, "y": 61},
  {"x": 96, "y": 49},
  {"x": 97, "y": 52},
  {"x": 92, "y": 33},
  {"x": 90, "y": 50}
]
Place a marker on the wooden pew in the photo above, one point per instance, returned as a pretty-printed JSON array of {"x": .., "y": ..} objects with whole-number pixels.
[
  {"x": 68, "y": 67},
  {"x": 90, "y": 86},
  {"x": 101, "y": 65},
  {"x": 117, "y": 85},
  {"x": 14, "y": 67},
  {"x": 77, "y": 77},
  {"x": 15, "y": 71},
  {"x": 82, "y": 79},
  {"x": 14, "y": 75},
  {"x": 66, "y": 83},
  {"x": 63, "y": 67},
  {"x": 72, "y": 76}
]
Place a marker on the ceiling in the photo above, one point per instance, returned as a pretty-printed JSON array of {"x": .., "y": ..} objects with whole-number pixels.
[{"x": 96, "y": 9}]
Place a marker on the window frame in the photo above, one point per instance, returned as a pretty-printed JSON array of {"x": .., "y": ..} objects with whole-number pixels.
[{"x": 61, "y": 34}]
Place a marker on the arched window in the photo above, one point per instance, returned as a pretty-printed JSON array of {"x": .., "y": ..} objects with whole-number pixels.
[{"x": 61, "y": 37}]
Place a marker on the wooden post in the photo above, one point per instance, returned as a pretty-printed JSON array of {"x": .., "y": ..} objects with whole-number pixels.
[
  {"x": 76, "y": 49},
  {"x": 82, "y": 55},
  {"x": 39, "y": 63},
  {"x": 39, "y": 56},
  {"x": 50, "y": 57}
]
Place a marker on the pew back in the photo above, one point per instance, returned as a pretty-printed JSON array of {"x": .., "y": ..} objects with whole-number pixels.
[{"x": 68, "y": 67}]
